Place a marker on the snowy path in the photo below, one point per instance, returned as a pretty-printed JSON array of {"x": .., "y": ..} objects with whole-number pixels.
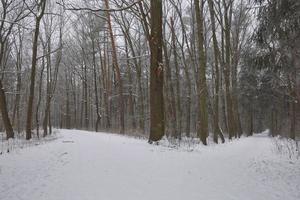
[{"x": 87, "y": 166}]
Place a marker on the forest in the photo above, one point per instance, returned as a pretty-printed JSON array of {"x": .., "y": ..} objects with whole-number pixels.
[
  {"x": 172, "y": 73},
  {"x": 224, "y": 68}
]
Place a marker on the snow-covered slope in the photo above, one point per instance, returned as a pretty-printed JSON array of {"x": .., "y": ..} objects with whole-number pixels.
[{"x": 96, "y": 166}]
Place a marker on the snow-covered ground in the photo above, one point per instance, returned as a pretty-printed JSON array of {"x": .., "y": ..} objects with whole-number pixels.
[{"x": 82, "y": 165}]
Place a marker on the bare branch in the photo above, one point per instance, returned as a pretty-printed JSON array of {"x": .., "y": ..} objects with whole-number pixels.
[{"x": 72, "y": 7}]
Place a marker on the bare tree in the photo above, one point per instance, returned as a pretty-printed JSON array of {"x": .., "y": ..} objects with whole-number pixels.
[
  {"x": 38, "y": 17},
  {"x": 202, "y": 88},
  {"x": 12, "y": 12},
  {"x": 157, "y": 124}
]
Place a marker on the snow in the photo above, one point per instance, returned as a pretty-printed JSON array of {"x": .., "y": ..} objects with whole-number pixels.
[{"x": 81, "y": 165}]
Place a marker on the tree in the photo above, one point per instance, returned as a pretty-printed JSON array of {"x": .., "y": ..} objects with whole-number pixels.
[
  {"x": 157, "y": 123},
  {"x": 52, "y": 73},
  {"x": 12, "y": 12},
  {"x": 202, "y": 131},
  {"x": 216, "y": 129},
  {"x": 277, "y": 38},
  {"x": 117, "y": 70},
  {"x": 40, "y": 10}
]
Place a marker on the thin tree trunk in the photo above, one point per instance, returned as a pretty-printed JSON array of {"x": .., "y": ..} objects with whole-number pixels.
[
  {"x": 251, "y": 128},
  {"x": 96, "y": 88},
  {"x": 51, "y": 83},
  {"x": 216, "y": 128},
  {"x": 68, "y": 115},
  {"x": 170, "y": 105},
  {"x": 117, "y": 71},
  {"x": 37, "y": 114},
  {"x": 186, "y": 68},
  {"x": 104, "y": 75},
  {"x": 33, "y": 70},
  {"x": 16, "y": 111},
  {"x": 85, "y": 86},
  {"x": 32, "y": 81},
  {"x": 131, "y": 100},
  {"x": 229, "y": 104},
  {"x": 73, "y": 84},
  {"x": 178, "y": 100},
  {"x": 141, "y": 92}
]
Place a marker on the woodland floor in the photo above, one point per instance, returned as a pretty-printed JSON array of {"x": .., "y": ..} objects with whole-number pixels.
[{"x": 81, "y": 165}]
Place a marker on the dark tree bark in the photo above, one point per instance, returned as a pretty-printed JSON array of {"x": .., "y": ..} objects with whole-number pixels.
[
  {"x": 226, "y": 70},
  {"x": 37, "y": 115},
  {"x": 216, "y": 128},
  {"x": 96, "y": 88},
  {"x": 157, "y": 123},
  {"x": 68, "y": 114},
  {"x": 202, "y": 87},
  {"x": 3, "y": 104},
  {"x": 41, "y": 8},
  {"x": 4, "y": 113}
]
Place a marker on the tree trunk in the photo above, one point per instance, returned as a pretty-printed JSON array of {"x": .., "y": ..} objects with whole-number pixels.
[
  {"x": 227, "y": 66},
  {"x": 178, "y": 100},
  {"x": 130, "y": 81},
  {"x": 170, "y": 105},
  {"x": 3, "y": 104},
  {"x": 296, "y": 92},
  {"x": 4, "y": 113},
  {"x": 202, "y": 131},
  {"x": 104, "y": 76},
  {"x": 139, "y": 80},
  {"x": 33, "y": 70},
  {"x": 16, "y": 111},
  {"x": 157, "y": 123},
  {"x": 119, "y": 81},
  {"x": 32, "y": 81},
  {"x": 186, "y": 68},
  {"x": 250, "y": 118},
  {"x": 68, "y": 115},
  {"x": 216, "y": 128},
  {"x": 96, "y": 88},
  {"x": 37, "y": 115},
  {"x": 85, "y": 86}
]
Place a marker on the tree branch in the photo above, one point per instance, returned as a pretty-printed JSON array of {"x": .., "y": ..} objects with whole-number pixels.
[{"x": 72, "y": 7}]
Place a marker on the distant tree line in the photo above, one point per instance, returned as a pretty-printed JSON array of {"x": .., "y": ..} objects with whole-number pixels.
[{"x": 218, "y": 68}]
